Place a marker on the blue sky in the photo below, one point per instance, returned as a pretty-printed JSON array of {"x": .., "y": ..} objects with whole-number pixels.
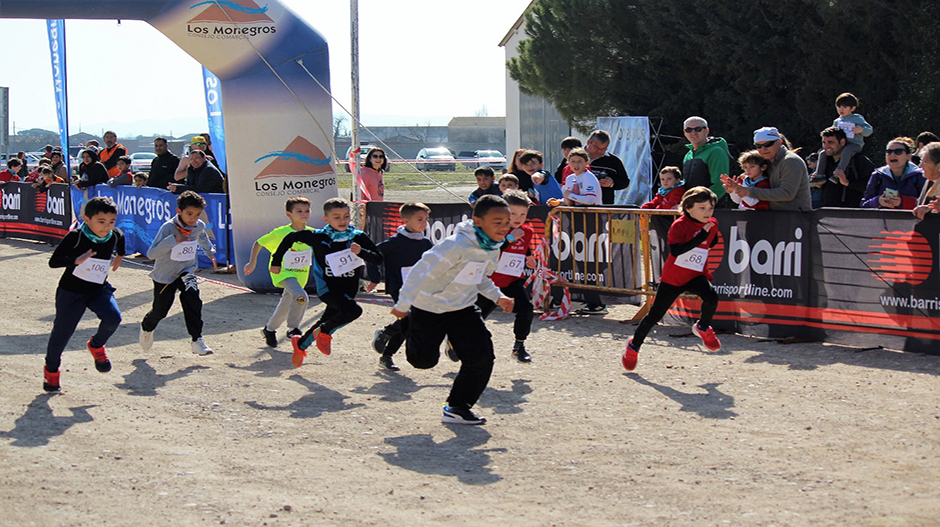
[{"x": 420, "y": 62}]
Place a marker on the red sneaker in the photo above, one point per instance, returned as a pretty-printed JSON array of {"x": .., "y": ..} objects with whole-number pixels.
[
  {"x": 297, "y": 359},
  {"x": 50, "y": 380},
  {"x": 324, "y": 341},
  {"x": 100, "y": 355},
  {"x": 630, "y": 356},
  {"x": 708, "y": 337}
]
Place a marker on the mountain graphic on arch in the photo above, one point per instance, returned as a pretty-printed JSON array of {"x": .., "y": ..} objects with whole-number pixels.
[
  {"x": 230, "y": 12},
  {"x": 299, "y": 158}
]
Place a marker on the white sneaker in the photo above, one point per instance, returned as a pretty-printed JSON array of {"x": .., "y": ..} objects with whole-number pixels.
[
  {"x": 200, "y": 347},
  {"x": 146, "y": 339}
]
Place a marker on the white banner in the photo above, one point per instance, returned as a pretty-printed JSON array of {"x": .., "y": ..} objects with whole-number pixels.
[{"x": 630, "y": 141}]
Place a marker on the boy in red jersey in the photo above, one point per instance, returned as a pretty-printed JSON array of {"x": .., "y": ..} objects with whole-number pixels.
[{"x": 690, "y": 238}]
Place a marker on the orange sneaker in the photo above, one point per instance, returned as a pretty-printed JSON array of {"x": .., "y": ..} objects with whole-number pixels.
[
  {"x": 630, "y": 356},
  {"x": 50, "y": 380},
  {"x": 324, "y": 341},
  {"x": 708, "y": 337},
  {"x": 100, "y": 355},
  {"x": 297, "y": 358}
]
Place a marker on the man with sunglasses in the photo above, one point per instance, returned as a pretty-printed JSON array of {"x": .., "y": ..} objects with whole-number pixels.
[
  {"x": 843, "y": 188},
  {"x": 789, "y": 184},
  {"x": 707, "y": 159}
]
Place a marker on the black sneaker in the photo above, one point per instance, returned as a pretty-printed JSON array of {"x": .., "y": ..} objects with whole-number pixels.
[
  {"x": 592, "y": 309},
  {"x": 294, "y": 333},
  {"x": 379, "y": 342},
  {"x": 270, "y": 337},
  {"x": 461, "y": 415},
  {"x": 519, "y": 352},
  {"x": 386, "y": 362},
  {"x": 450, "y": 351}
]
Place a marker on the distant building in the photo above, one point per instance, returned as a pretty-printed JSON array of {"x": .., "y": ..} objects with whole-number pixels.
[{"x": 531, "y": 122}]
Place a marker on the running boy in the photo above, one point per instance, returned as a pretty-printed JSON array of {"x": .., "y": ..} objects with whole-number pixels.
[
  {"x": 440, "y": 294},
  {"x": 400, "y": 253},
  {"x": 293, "y": 276},
  {"x": 174, "y": 253},
  {"x": 856, "y": 129},
  {"x": 338, "y": 252},
  {"x": 86, "y": 254},
  {"x": 690, "y": 238},
  {"x": 485, "y": 182},
  {"x": 508, "y": 277},
  {"x": 670, "y": 190},
  {"x": 581, "y": 187},
  {"x": 755, "y": 169}
]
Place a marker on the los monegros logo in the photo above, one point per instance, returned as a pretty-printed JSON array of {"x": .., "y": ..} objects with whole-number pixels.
[{"x": 222, "y": 19}]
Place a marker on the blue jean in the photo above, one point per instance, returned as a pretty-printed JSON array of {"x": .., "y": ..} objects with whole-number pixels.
[{"x": 69, "y": 308}]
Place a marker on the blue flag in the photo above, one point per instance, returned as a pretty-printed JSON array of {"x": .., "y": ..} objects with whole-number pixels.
[
  {"x": 57, "y": 51},
  {"x": 214, "y": 111}
]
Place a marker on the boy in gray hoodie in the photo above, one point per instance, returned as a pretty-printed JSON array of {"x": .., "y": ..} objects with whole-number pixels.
[
  {"x": 174, "y": 253},
  {"x": 440, "y": 296}
]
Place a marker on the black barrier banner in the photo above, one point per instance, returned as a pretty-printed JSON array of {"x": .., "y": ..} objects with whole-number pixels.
[
  {"x": 849, "y": 276},
  {"x": 32, "y": 215}
]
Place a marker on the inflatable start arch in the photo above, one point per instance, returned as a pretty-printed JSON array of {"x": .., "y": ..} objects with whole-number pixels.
[{"x": 278, "y": 120}]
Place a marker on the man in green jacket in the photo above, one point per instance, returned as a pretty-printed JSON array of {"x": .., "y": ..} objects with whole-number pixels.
[{"x": 707, "y": 159}]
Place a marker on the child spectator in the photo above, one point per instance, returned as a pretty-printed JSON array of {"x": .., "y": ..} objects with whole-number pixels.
[
  {"x": 400, "y": 253},
  {"x": 439, "y": 297},
  {"x": 690, "y": 237},
  {"x": 86, "y": 253},
  {"x": 815, "y": 181},
  {"x": 856, "y": 130},
  {"x": 755, "y": 168},
  {"x": 513, "y": 258},
  {"x": 581, "y": 187},
  {"x": 567, "y": 145},
  {"x": 485, "y": 181},
  {"x": 508, "y": 182},
  {"x": 670, "y": 190},
  {"x": 124, "y": 176},
  {"x": 47, "y": 177},
  {"x": 174, "y": 253},
  {"x": 140, "y": 179},
  {"x": 10, "y": 174},
  {"x": 543, "y": 186},
  {"x": 293, "y": 276},
  {"x": 338, "y": 252},
  {"x": 36, "y": 174}
]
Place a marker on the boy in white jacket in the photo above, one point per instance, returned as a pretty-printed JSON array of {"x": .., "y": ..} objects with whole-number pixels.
[{"x": 441, "y": 292}]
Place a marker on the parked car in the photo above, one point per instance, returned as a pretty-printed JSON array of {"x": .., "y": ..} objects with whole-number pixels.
[
  {"x": 140, "y": 161},
  {"x": 474, "y": 159},
  {"x": 436, "y": 159}
]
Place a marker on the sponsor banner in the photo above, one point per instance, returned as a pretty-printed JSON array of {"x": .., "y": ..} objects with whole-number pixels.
[
  {"x": 596, "y": 249},
  {"x": 856, "y": 277},
  {"x": 142, "y": 211},
  {"x": 56, "y": 30},
  {"x": 216, "y": 121},
  {"x": 630, "y": 141},
  {"x": 32, "y": 215}
]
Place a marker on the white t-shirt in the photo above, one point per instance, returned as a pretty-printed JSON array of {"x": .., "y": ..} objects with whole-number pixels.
[{"x": 585, "y": 189}]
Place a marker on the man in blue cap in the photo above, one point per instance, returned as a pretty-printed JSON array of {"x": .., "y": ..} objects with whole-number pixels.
[{"x": 789, "y": 184}]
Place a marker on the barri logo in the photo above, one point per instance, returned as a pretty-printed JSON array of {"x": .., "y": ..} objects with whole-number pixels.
[
  {"x": 229, "y": 19},
  {"x": 783, "y": 259},
  {"x": 10, "y": 200},
  {"x": 900, "y": 257},
  {"x": 300, "y": 159}
]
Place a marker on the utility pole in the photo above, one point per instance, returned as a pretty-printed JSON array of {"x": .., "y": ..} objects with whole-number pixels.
[{"x": 354, "y": 151}]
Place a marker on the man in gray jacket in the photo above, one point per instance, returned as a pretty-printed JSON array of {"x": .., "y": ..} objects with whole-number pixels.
[{"x": 789, "y": 183}]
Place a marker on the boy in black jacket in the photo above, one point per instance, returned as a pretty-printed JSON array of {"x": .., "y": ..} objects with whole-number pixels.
[
  {"x": 86, "y": 254},
  {"x": 400, "y": 252},
  {"x": 338, "y": 252}
]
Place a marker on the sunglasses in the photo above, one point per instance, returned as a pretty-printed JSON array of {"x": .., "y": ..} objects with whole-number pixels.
[
  {"x": 200, "y": 144},
  {"x": 377, "y": 156},
  {"x": 896, "y": 151},
  {"x": 768, "y": 144},
  {"x": 695, "y": 129}
]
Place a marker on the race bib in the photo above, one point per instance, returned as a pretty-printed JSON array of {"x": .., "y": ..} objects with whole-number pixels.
[
  {"x": 298, "y": 259},
  {"x": 94, "y": 270},
  {"x": 511, "y": 264},
  {"x": 693, "y": 260},
  {"x": 471, "y": 274},
  {"x": 341, "y": 262},
  {"x": 183, "y": 252},
  {"x": 404, "y": 273}
]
